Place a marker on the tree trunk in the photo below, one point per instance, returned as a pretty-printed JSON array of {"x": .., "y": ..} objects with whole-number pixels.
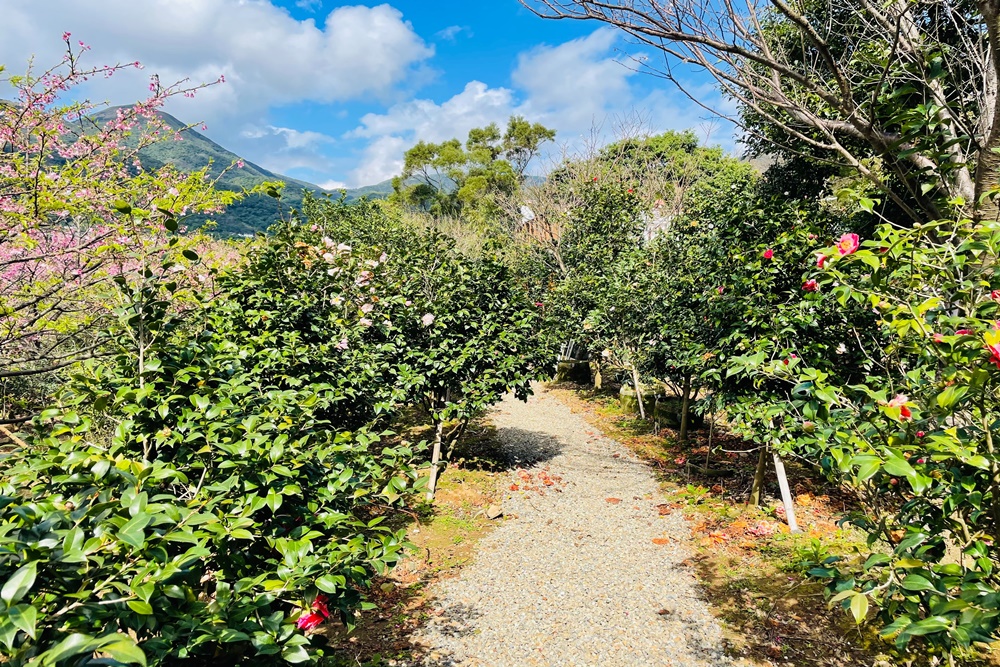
[
  {"x": 758, "y": 478},
  {"x": 685, "y": 406},
  {"x": 435, "y": 460},
  {"x": 638, "y": 391}
]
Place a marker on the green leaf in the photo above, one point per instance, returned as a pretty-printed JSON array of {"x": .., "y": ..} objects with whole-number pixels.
[
  {"x": 19, "y": 583},
  {"x": 859, "y": 607},
  {"x": 191, "y": 255},
  {"x": 24, "y": 616},
  {"x": 914, "y": 582},
  {"x": 132, "y": 532},
  {"x": 331, "y": 584},
  {"x": 140, "y": 607},
  {"x": 171, "y": 224},
  {"x": 927, "y": 626},
  {"x": 295, "y": 654},
  {"x": 122, "y": 206},
  {"x": 125, "y": 650},
  {"x": 947, "y": 398}
]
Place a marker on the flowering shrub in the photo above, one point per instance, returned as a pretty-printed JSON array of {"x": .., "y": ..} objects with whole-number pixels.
[
  {"x": 189, "y": 498},
  {"x": 77, "y": 210},
  {"x": 919, "y": 432}
]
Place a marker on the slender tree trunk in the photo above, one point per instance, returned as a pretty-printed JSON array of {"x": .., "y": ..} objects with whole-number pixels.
[
  {"x": 685, "y": 407},
  {"x": 758, "y": 478},
  {"x": 638, "y": 391},
  {"x": 435, "y": 460}
]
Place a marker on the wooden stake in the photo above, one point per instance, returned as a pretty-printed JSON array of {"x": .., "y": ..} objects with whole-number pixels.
[
  {"x": 13, "y": 438},
  {"x": 758, "y": 478},
  {"x": 638, "y": 392},
  {"x": 685, "y": 407},
  {"x": 786, "y": 494}
]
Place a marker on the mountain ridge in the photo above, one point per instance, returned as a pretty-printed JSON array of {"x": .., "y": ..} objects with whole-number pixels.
[{"x": 252, "y": 214}]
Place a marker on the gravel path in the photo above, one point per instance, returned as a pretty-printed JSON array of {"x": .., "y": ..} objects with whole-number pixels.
[{"x": 570, "y": 578}]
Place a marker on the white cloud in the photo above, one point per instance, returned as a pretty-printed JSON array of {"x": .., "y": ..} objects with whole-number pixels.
[
  {"x": 309, "y": 5},
  {"x": 333, "y": 185},
  {"x": 382, "y": 159},
  {"x": 268, "y": 57},
  {"x": 451, "y": 33},
  {"x": 579, "y": 88}
]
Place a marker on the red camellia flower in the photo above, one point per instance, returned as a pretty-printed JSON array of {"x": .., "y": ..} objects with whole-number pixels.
[
  {"x": 995, "y": 295},
  {"x": 963, "y": 332},
  {"x": 994, "y": 351},
  {"x": 920, "y": 434},
  {"x": 309, "y": 621},
  {"x": 810, "y": 285},
  {"x": 848, "y": 244},
  {"x": 768, "y": 254},
  {"x": 938, "y": 338},
  {"x": 720, "y": 289},
  {"x": 900, "y": 402},
  {"x": 820, "y": 261},
  {"x": 316, "y": 617}
]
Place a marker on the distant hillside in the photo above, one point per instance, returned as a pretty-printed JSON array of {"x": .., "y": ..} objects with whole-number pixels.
[{"x": 253, "y": 214}]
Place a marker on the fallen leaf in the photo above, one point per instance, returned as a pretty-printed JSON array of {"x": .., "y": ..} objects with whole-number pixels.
[
  {"x": 515, "y": 487},
  {"x": 613, "y": 501},
  {"x": 664, "y": 509},
  {"x": 804, "y": 499},
  {"x": 660, "y": 541}
]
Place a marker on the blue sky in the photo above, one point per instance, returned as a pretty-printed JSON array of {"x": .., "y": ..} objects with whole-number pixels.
[{"x": 335, "y": 92}]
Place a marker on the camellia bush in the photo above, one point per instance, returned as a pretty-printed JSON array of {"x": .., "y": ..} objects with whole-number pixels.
[{"x": 917, "y": 437}]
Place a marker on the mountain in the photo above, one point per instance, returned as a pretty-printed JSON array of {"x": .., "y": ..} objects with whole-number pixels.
[{"x": 252, "y": 214}]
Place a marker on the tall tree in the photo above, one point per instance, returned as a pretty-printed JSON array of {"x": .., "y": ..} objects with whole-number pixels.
[
  {"x": 903, "y": 93},
  {"x": 448, "y": 178}
]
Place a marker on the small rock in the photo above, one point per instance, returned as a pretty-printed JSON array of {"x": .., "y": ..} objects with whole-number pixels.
[{"x": 494, "y": 512}]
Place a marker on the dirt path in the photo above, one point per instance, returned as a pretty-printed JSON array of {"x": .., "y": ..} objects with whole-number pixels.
[{"x": 584, "y": 569}]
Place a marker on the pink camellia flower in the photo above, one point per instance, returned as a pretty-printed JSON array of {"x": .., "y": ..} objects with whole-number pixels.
[
  {"x": 938, "y": 338},
  {"x": 848, "y": 244},
  {"x": 720, "y": 289},
  {"x": 768, "y": 254},
  {"x": 810, "y": 285},
  {"x": 342, "y": 345},
  {"x": 920, "y": 434},
  {"x": 365, "y": 322},
  {"x": 408, "y": 303},
  {"x": 539, "y": 304},
  {"x": 427, "y": 320},
  {"x": 820, "y": 261},
  {"x": 367, "y": 308},
  {"x": 900, "y": 402},
  {"x": 963, "y": 332},
  {"x": 921, "y": 460},
  {"x": 995, "y": 295},
  {"x": 812, "y": 237}
]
